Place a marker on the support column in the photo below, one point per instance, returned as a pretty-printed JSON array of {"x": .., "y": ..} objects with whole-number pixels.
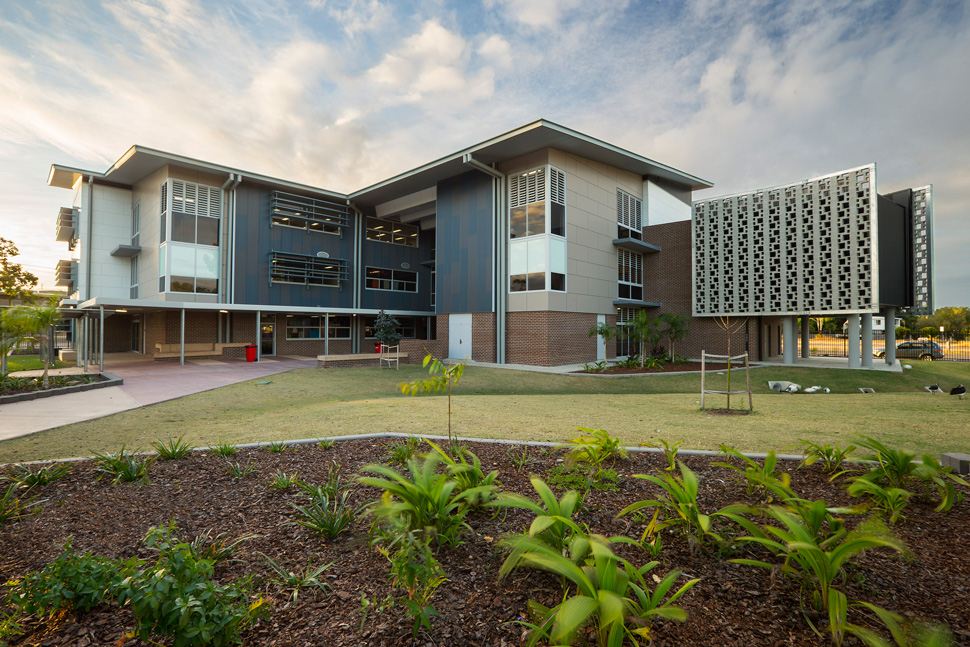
[
  {"x": 852, "y": 330},
  {"x": 788, "y": 335},
  {"x": 101, "y": 341},
  {"x": 182, "y": 339},
  {"x": 806, "y": 336},
  {"x": 890, "y": 315},
  {"x": 867, "y": 340},
  {"x": 259, "y": 335}
]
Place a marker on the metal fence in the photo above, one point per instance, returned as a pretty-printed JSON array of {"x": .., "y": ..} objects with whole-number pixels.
[{"x": 838, "y": 346}]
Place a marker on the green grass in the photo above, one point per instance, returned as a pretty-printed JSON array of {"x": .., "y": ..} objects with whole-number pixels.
[
  {"x": 29, "y": 363},
  {"x": 493, "y": 403}
]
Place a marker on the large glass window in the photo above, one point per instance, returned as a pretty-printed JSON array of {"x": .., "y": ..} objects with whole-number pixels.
[
  {"x": 626, "y": 345},
  {"x": 379, "y": 278},
  {"x": 387, "y": 231},
  {"x": 630, "y": 275},
  {"x": 537, "y": 230},
  {"x": 410, "y": 328},
  {"x": 317, "y": 326},
  {"x": 193, "y": 269},
  {"x": 629, "y": 223},
  {"x": 190, "y": 216},
  {"x": 306, "y": 270},
  {"x": 309, "y": 214}
]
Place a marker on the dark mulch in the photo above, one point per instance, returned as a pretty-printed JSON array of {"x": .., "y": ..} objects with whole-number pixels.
[
  {"x": 688, "y": 367},
  {"x": 732, "y": 605},
  {"x": 18, "y": 385}
]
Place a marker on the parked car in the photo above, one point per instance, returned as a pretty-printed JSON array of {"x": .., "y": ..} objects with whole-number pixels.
[{"x": 928, "y": 350}]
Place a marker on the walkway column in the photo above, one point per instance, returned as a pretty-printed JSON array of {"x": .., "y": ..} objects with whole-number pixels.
[
  {"x": 259, "y": 335},
  {"x": 788, "y": 335},
  {"x": 867, "y": 340},
  {"x": 890, "y": 315},
  {"x": 101, "y": 342},
  {"x": 182, "y": 340},
  {"x": 806, "y": 336},
  {"x": 852, "y": 331}
]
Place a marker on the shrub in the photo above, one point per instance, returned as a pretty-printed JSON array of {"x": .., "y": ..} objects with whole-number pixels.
[
  {"x": 831, "y": 456},
  {"x": 899, "y": 469},
  {"x": 280, "y": 480},
  {"x": 29, "y": 477},
  {"x": 237, "y": 470},
  {"x": 400, "y": 452},
  {"x": 759, "y": 478},
  {"x": 296, "y": 580},
  {"x": 594, "y": 448},
  {"x": 219, "y": 548},
  {"x": 469, "y": 475},
  {"x": 123, "y": 466},
  {"x": 276, "y": 447},
  {"x": 326, "y": 514},
  {"x": 224, "y": 449},
  {"x": 173, "y": 449},
  {"x": 553, "y": 524}
]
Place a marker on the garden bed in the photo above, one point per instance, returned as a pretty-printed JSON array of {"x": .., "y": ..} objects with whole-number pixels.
[
  {"x": 18, "y": 389},
  {"x": 668, "y": 367},
  {"x": 731, "y": 605}
]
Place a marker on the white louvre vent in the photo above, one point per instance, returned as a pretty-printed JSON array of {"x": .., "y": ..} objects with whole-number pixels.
[
  {"x": 526, "y": 188},
  {"x": 628, "y": 210},
  {"x": 196, "y": 199},
  {"x": 164, "y": 203},
  {"x": 557, "y": 186}
]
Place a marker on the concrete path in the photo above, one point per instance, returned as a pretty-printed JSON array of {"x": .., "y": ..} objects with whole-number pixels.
[{"x": 145, "y": 382}]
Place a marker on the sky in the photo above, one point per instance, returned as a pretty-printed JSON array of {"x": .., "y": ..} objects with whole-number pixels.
[{"x": 340, "y": 94}]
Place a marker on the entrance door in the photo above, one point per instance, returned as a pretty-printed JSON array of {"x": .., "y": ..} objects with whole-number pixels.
[
  {"x": 267, "y": 335},
  {"x": 136, "y": 335},
  {"x": 460, "y": 336}
]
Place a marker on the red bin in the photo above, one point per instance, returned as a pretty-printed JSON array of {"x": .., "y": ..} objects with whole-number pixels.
[
  {"x": 251, "y": 353},
  {"x": 377, "y": 347}
]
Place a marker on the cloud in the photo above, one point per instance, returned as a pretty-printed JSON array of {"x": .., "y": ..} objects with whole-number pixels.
[{"x": 356, "y": 16}]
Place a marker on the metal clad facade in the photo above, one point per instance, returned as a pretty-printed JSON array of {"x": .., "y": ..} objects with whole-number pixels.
[{"x": 465, "y": 241}]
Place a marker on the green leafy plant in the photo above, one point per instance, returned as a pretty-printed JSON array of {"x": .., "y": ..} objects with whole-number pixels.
[
  {"x": 444, "y": 377},
  {"x": 565, "y": 477},
  {"x": 678, "y": 507},
  {"x": 816, "y": 558},
  {"x": 217, "y": 548},
  {"x": 421, "y": 501},
  {"x": 674, "y": 327},
  {"x": 520, "y": 459},
  {"x": 277, "y": 447},
  {"x": 415, "y": 569},
  {"x": 594, "y": 448},
  {"x": 903, "y": 632},
  {"x": 225, "y": 448},
  {"x": 669, "y": 451},
  {"x": 553, "y": 523},
  {"x": 326, "y": 443},
  {"x": 899, "y": 469},
  {"x": 296, "y": 580},
  {"x": 72, "y": 581},
  {"x": 29, "y": 476},
  {"x": 399, "y": 452},
  {"x": 280, "y": 480},
  {"x": 607, "y": 592},
  {"x": 760, "y": 479},
  {"x": 327, "y": 515},
  {"x": 831, "y": 456},
  {"x": 330, "y": 488},
  {"x": 469, "y": 475},
  {"x": 173, "y": 449},
  {"x": 238, "y": 470},
  {"x": 13, "y": 508},
  {"x": 643, "y": 328},
  {"x": 387, "y": 329},
  {"x": 890, "y": 500},
  {"x": 123, "y": 466}
]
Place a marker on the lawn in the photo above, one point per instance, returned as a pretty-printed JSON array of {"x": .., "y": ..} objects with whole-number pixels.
[
  {"x": 493, "y": 403},
  {"x": 29, "y": 363}
]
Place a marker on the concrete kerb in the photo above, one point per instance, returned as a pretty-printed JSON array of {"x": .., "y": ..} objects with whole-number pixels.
[
  {"x": 392, "y": 434},
  {"x": 109, "y": 381}
]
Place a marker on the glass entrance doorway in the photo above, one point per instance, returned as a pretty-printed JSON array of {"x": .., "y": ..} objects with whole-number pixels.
[
  {"x": 267, "y": 335},
  {"x": 136, "y": 334}
]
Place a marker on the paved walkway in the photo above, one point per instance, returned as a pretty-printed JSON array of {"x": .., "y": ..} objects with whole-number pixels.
[{"x": 146, "y": 382}]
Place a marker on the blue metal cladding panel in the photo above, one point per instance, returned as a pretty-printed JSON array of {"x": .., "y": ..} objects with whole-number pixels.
[
  {"x": 464, "y": 249},
  {"x": 256, "y": 238},
  {"x": 394, "y": 257}
]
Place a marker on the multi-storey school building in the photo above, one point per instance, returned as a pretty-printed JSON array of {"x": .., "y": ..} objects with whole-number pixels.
[{"x": 508, "y": 251}]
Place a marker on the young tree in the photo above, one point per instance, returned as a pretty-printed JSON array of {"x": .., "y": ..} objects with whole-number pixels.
[
  {"x": 13, "y": 329},
  {"x": 674, "y": 329},
  {"x": 37, "y": 322},
  {"x": 443, "y": 378},
  {"x": 386, "y": 329},
  {"x": 14, "y": 281}
]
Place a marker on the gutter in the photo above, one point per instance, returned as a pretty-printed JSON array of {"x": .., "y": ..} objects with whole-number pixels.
[{"x": 87, "y": 269}]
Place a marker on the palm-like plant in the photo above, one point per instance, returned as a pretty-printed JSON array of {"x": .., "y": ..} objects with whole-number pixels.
[
  {"x": 554, "y": 523},
  {"x": 674, "y": 329},
  {"x": 14, "y": 327},
  {"x": 609, "y": 592},
  {"x": 644, "y": 328},
  {"x": 35, "y": 322}
]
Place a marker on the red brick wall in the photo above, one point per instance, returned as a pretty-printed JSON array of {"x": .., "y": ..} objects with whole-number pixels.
[
  {"x": 483, "y": 336},
  {"x": 668, "y": 279},
  {"x": 117, "y": 333},
  {"x": 200, "y": 326},
  {"x": 550, "y": 338}
]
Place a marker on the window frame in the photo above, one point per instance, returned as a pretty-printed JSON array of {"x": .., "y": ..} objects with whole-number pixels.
[
  {"x": 524, "y": 194},
  {"x": 413, "y": 235},
  {"x": 329, "y": 277},
  {"x": 393, "y": 280}
]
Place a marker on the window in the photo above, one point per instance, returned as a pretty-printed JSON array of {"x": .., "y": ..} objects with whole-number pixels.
[
  {"x": 133, "y": 292},
  {"x": 396, "y": 233},
  {"x": 309, "y": 214},
  {"x": 317, "y": 326},
  {"x": 196, "y": 210},
  {"x": 628, "y": 216},
  {"x": 626, "y": 346},
  {"x": 630, "y": 275},
  {"x": 433, "y": 278},
  {"x": 410, "y": 328},
  {"x": 135, "y": 223},
  {"x": 537, "y": 230},
  {"x": 378, "y": 278},
  {"x": 306, "y": 270},
  {"x": 192, "y": 269},
  {"x": 164, "y": 214}
]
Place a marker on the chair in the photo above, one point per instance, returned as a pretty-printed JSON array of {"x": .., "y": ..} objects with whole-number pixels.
[{"x": 390, "y": 354}]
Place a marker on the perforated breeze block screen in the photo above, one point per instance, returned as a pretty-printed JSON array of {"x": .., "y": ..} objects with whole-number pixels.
[
  {"x": 923, "y": 250},
  {"x": 802, "y": 248}
]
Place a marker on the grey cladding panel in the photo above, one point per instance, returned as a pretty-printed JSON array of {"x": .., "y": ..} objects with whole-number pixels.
[
  {"x": 394, "y": 257},
  {"x": 464, "y": 244}
]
